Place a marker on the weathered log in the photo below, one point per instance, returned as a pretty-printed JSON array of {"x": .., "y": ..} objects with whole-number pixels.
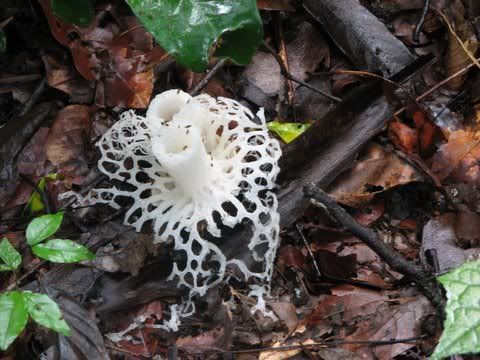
[
  {"x": 360, "y": 35},
  {"x": 331, "y": 144}
]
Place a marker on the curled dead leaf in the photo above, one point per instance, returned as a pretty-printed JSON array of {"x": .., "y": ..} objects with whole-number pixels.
[
  {"x": 377, "y": 171},
  {"x": 459, "y": 158},
  {"x": 66, "y": 138}
]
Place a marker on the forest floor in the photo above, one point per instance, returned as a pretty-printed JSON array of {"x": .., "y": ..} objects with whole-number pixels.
[{"x": 392, "y": 102}]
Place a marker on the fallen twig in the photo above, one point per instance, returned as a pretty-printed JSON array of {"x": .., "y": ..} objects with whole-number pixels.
[
  {"x": 317, "y": 269},
  {"x": 450, "y": 29},
  {"x": 208, "y": 77},
  {"x": 34, "y": 97},
  {"x": 311, "y": 345},
  {"x": 439, "y": 85},
  {"x": 418, "y": 29},
  {"x": 387, "y": 253},
  {"x": 289, "y": 76}
]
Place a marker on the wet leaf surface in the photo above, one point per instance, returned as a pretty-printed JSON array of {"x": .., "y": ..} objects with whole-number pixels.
[{"x": 194, "y": 26}]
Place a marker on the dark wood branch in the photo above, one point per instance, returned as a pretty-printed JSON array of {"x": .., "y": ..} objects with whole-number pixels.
[
  {"x": 331, "y": 144},
  {"x": 360, "y": 35},
  {"x": 393, "y": 258},
  {"x": 208, "y": 77}
]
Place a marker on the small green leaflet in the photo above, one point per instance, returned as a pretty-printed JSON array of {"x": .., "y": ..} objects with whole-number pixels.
[
  {"x": 10, "y": 257},
  {"x": 461, "y": 332},
  {"x": 287, "y": 131},
  {"x": 35, "y": 203},
  {"x": 78, "y": 12},
  {"x": 188, "y": 29},
  {"x": 13, "y": 317},
  {"x": 45, "y": 312},
  {"x": 43, "y": 227},
  {"x": 62, "y": 251}
]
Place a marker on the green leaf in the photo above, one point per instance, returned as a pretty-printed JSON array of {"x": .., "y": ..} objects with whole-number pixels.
[
  {"x": 78, "y": 12},
  {"x": 62, "y": 251},
  {"x": 35, "y": 203},
  {"x": 9, "y": 255},
  {"x": 45, "y": 312},
  {"x": 42, "y": 227},
  {"x": 188, "y": 29},
  {"x": 13, "y": 317},
  {"x": 287, "y": 131},
  {"x": 461, "y": 332}
]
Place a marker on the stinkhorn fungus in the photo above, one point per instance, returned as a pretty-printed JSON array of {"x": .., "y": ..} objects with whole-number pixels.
[{"x": 195, "y": 166}]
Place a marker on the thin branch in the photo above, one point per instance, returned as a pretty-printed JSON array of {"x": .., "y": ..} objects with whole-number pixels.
[
  {"x": 417, "y": 163},
  {"x": 34, "y": 97},
  {"x": 387, "y": 253},
  {"x": 450, "y": 29},
  {"x": 439, "y": 85},
  {"x": 43, "y": 193},
  {"x": 312, "y": 345},
  {"x": 289, "y": 76},
  {"x": 317, "y": 269},
  {"x": 208, "y": 77},
  {"x": 416, "y": 35}
]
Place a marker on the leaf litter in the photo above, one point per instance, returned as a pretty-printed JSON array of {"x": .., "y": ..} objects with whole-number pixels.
[{"x": 328, "y": 287}]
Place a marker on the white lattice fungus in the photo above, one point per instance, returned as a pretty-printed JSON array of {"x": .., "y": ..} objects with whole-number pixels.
[{"x": 193, "y": 167}]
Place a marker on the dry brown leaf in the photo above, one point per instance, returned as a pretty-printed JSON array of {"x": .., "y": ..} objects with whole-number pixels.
[
  {"x": 305, "y": 53},
  {"x": 390, "y": 322},
  {"x": 283, "y": 354},
  {"x": 459, "y": 158},
  {"x": 403, "y": 136},
  {"x": 64, "y": 78},
  {"x": 285, "y": 312},
  {"x": 462, "y": 30},
  {"x": 378, "y": 171},
  {"x": 32, "y": 159},
  {"x": 198, "y": 343},
  {"x": 443, "y": 234},
  {"x": 66, "y": 138},
  {"x": 119, "y": 54}
]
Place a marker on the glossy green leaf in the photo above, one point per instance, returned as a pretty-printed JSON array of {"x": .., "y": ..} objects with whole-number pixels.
[
  {"x": 62, "y": 251},
  {"x": 461, "y": 332},
  {"x": 35, "y": 203},
  {"x": 78, "y": 12},
  {"x": 287, "y": 131},
  {"x": 43, "y": 227},
  {"x": 45, "y": 312},
  {"x": 10, "y": 257},
  {"x": 13, "y": 317},
  {"x": 188, "y": 29}
]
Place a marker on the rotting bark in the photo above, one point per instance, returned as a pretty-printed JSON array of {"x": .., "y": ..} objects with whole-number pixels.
[
  {"x": 331, "y": 144},
  {"x": 425, "y": 281},
  {"x": 360, "y": 35}
]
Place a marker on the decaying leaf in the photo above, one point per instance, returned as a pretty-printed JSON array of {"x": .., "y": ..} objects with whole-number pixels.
[
  {"x": 459, "y": 158},
  {"x": 442, "y": 233},
  {"x": 462, "y": 30},
  {"x": 66, "y": 139},
  {"x": 65, "y": 78},
  {"x": 378, "y": 171},
  {"x": 305, "y": 53},
  {"x": 119, "y": 54}
]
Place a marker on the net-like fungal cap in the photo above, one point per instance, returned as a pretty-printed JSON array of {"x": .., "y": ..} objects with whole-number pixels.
[{"x": 195, "y": 166}]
